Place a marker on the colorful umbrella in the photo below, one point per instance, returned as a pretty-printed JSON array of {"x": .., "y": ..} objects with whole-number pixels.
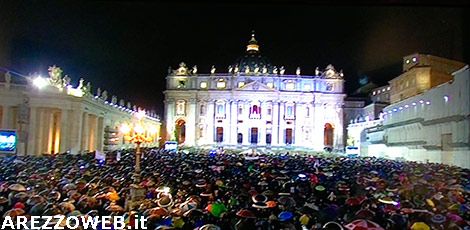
[
  {"x": 245, "y": 213},
  {"x": 216, "y": 209},
  {"x": 420, "y": 226},
  {"x": 362, "y": 224},
  {"x": 17, "y": 188},
  {"x": 285, "y": 216}
]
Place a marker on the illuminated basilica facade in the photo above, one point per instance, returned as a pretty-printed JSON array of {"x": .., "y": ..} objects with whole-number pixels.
[{"x": 255, "y": 104}]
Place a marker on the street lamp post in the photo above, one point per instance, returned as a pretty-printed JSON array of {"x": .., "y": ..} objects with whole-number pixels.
[{"x": 137, "y": 132}]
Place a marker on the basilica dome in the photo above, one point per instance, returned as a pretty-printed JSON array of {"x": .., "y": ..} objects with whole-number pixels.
[{"x": 252, "y": 61}]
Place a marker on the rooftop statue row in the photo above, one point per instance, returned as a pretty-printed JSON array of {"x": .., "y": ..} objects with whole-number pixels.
[
  {"x": 329, "y": 72},
  {"x": 58, "y": 82}
]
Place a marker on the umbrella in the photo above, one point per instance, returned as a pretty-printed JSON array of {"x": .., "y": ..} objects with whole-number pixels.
[
  {"x": 354, "y": 201},
  {"x": 13, "y": 213},
  {"x": 193, "y": 213},
  {"x": 285, "y": 216},
  {"x": 271, "y": 204},
  {"x": 115, "y": 208},
  {"x": 287, "y": 201},
  {"x": 216, "y": 209},
  {"x": 245, "y": 213},
  {"x": 454, "y": 218},
  {"x": 209, "y": 227},
  {"x": 438, "y": 219},
  {"x": 69, "y": 186},
  {"x": 35, "y": 200},
  {"x": 420, "y": 226},
  {"x": 333, "y": 225},
  {"x": 17, "y": 188},
  {"x": 362, "y": 224}
]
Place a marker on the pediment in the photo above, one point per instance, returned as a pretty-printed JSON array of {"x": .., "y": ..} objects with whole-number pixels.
[{"x": 256, "y": 86}]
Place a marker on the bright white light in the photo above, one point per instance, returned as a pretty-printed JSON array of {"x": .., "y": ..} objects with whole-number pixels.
[
  {"x": 421, "y": 101},
  {"x": 414, "y": 103},
  {"x": 414, "y": 59},
  {"x": 406, "y": 106},
  {"x": 446, "y": 98},
  {"x": 139, "y": 129},
  {"x": 153, "y": 130},
  {"x": 40, "y": 82},
  {"x": 428, "y": 102},
  {"x": 125, "y": 128}
]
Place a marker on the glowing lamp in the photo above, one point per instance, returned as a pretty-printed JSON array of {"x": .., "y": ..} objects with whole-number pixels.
[
  {"x": 152, "y": 130},
  {"x": 125, "y": 128},
  {"x": 139, "y": 129},
  {"x": 39, "y": 82}
]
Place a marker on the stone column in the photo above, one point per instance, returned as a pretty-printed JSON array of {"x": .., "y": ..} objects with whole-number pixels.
[
  {"x": 75, "y": 123},
  {"x": 100, "y": 134},
  {"x": 50, "y": 131},
  {"x": 191, "y": 123},
  {"x": 299, "y": 122},
  {"x": 339, "y": 141},
  {"x": 32, "y": 132},
  {"x": 210, "y": 138},
  {"x": 170, "y": 114},
  {"x": 233, "y": 122},
  {"x": 5, "y": 117},
  {"x": 85, "y": 132},
  {"x": 92, "y": 134},
  {"x": 262, "y": 125},
  {"x": 282, "y": 122},
  {"x": 245, "y": 129},
  {"x": 64, "y": 131},
  {"x": 319, "y": 123},
  {"x": 275, "y": 126},
  {"x": 39, "y": 149}
]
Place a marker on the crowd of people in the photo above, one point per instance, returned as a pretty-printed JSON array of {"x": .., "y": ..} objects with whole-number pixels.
[{"x": 224, "y": 190}]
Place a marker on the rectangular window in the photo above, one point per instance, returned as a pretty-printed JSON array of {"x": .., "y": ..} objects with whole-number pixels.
[
  {"x": 219, "y": 134},
  {"x": 268, "y": 139},
  {"x": 241, "y": 84},
  {"x": 290, "y": 86},
  {"x": 289, "y": 112},
  {"x": 203, "y": 85},
  {"x": 221, "y": 84},
  {"x": 239, "y": 138},
  {"x": 270, "y": 84},
  {"x": 307, "y": 87},
  {"x": 288, "y": 136},
  {"x": 220, "y": 109},
  {"x": 269, "y": 111}
]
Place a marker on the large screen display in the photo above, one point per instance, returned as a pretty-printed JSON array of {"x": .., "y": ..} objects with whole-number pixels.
[{"x": 8, "y": 141}]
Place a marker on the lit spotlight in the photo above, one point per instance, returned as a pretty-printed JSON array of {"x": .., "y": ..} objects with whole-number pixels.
[{"x": 39, "y": 82}]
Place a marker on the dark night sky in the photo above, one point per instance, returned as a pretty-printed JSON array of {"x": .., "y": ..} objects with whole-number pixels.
[{"x": 126, "y": 47}]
